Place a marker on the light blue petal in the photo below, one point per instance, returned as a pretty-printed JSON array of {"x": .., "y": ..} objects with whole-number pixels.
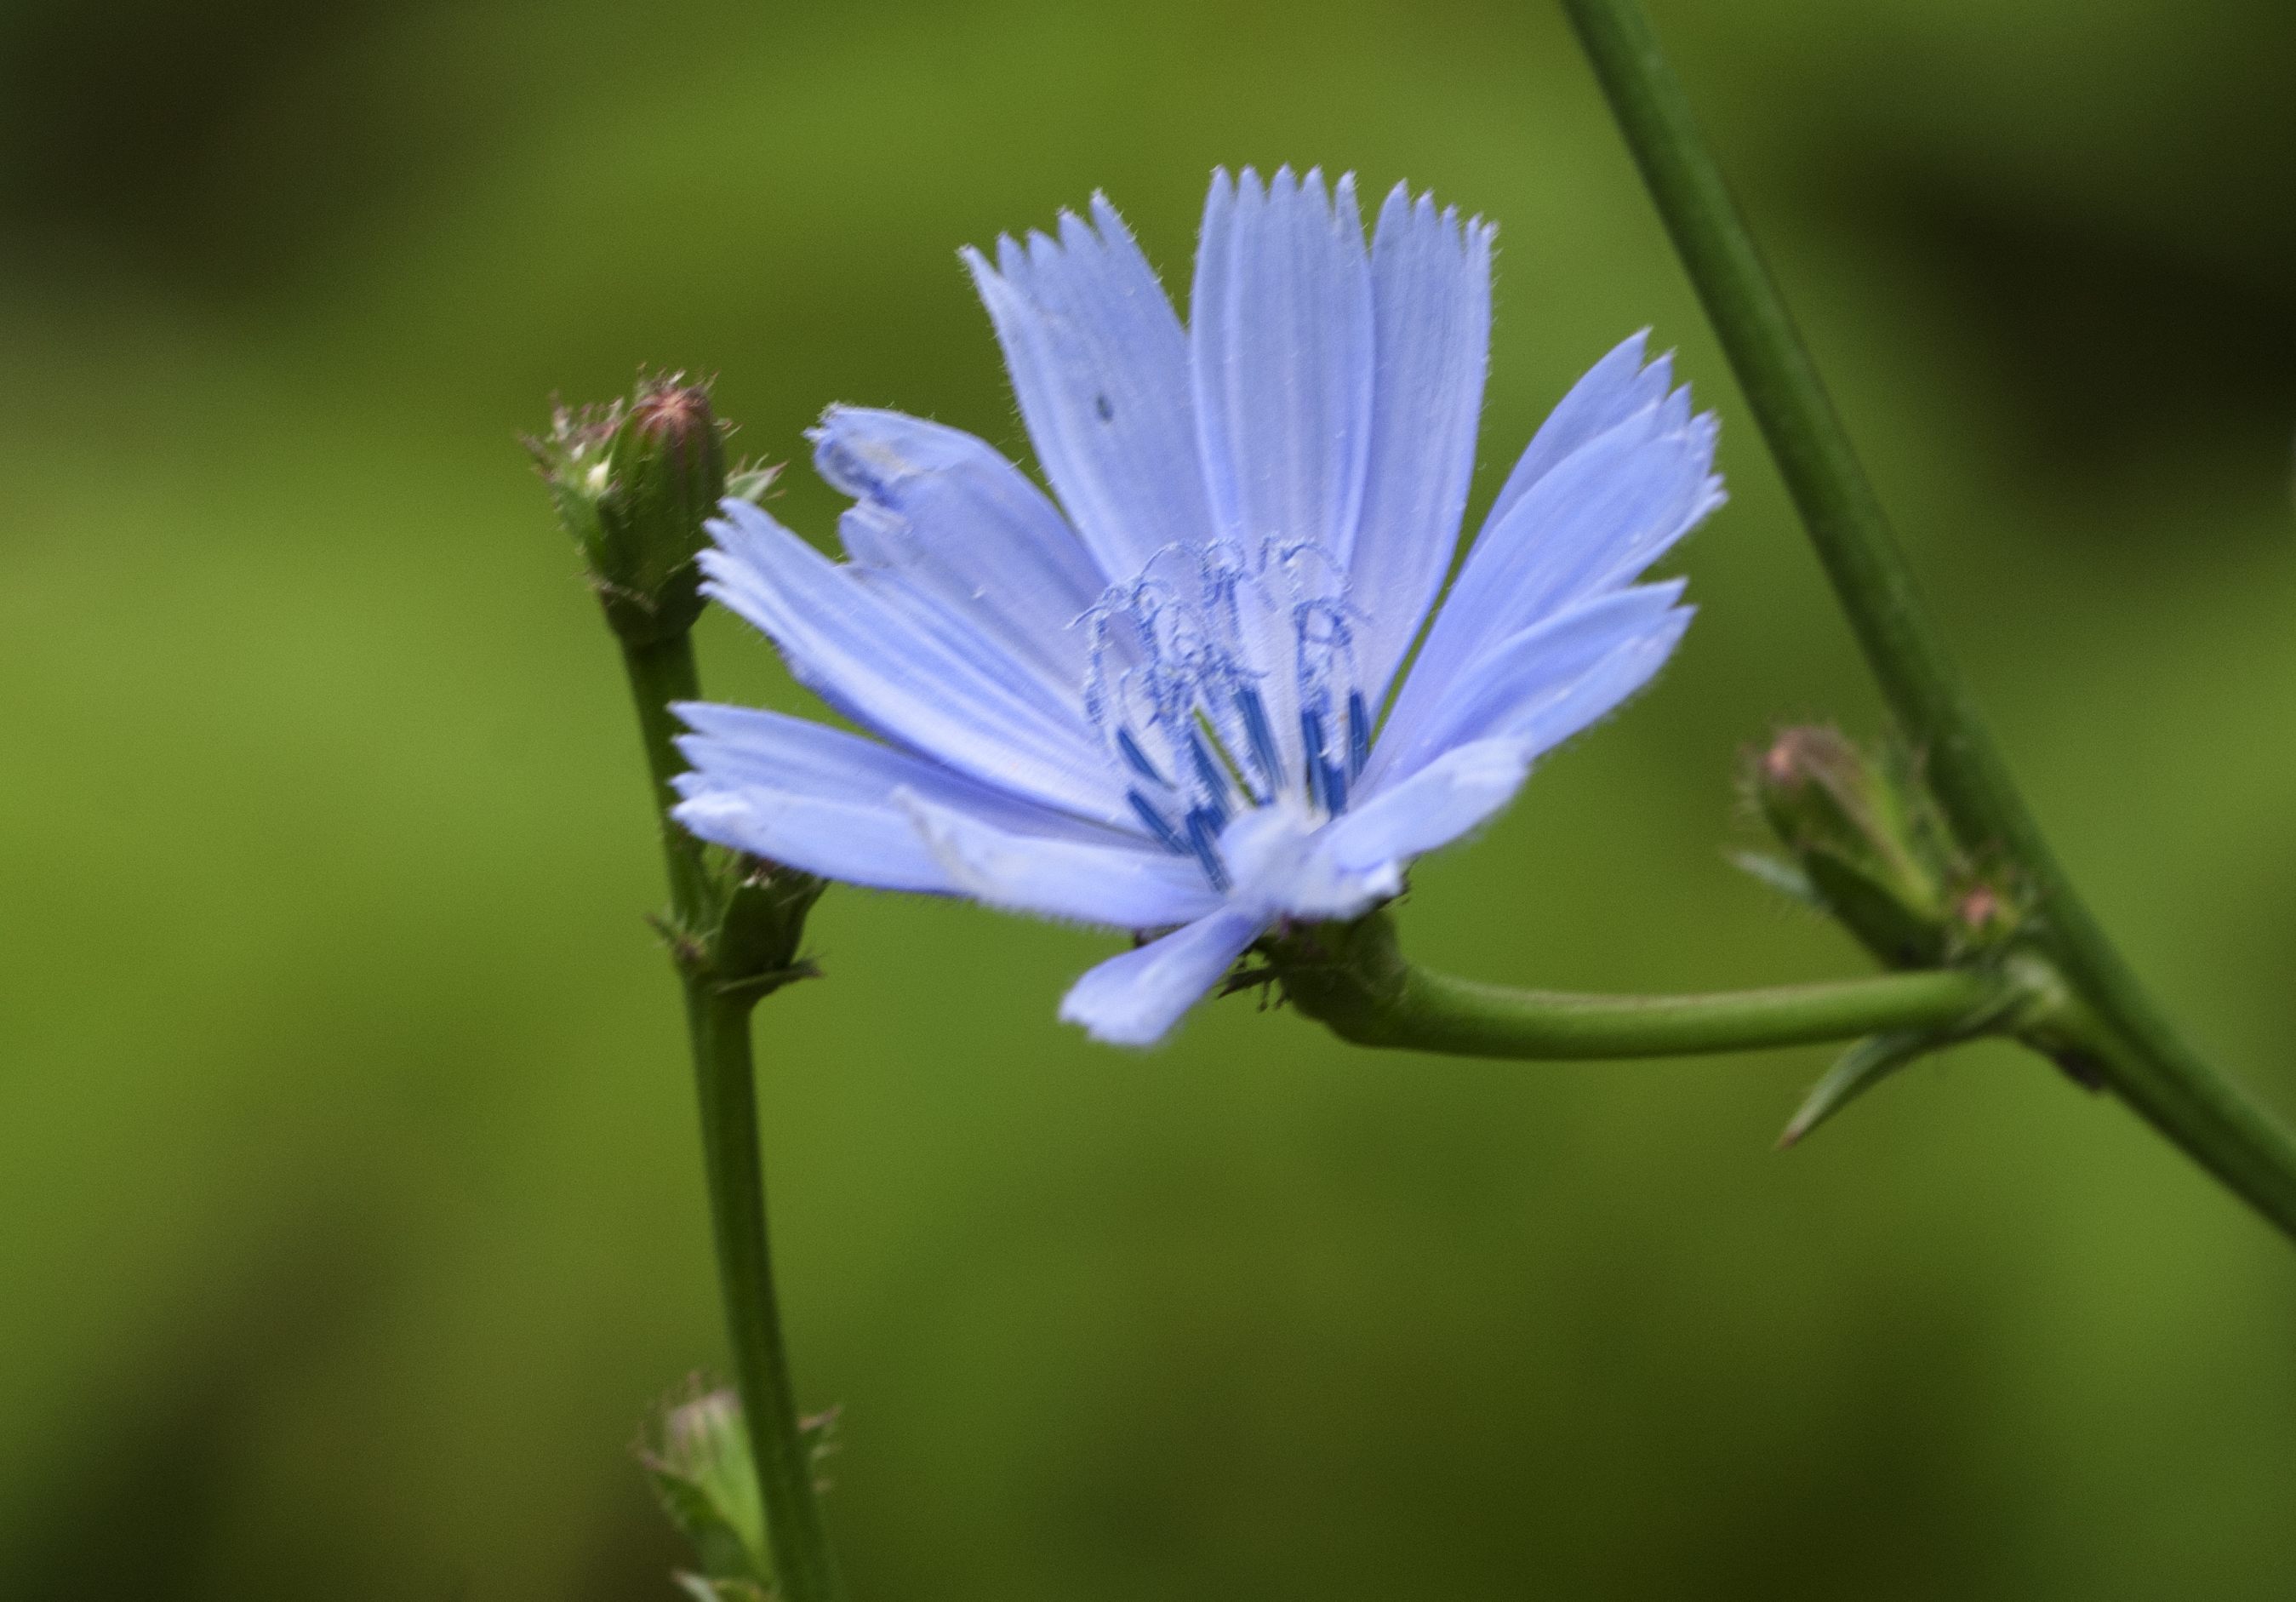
[
  {"x": 1450, "y": 796},
  {"x": 1612, "y": 508},
  {"x": 1523, "y": 671},
  {"x": 852, "y": 842},
  {"x": 1133, "y": 999},
  {"x": 909, "y": 673},
  {"x": 1134, "y": 886},
  {"x": 1100, "y": 368},
  {"x": 1431, "y": 310},
  {"x": 1280, "y": 335},
  {"x": 1543, "y": 724},
  {"x": 966, "y": 529},
  {"x": 1613, "y": 391},
  {"x": 751, "y": 747},
  {"x": 1608, "y": 511},
  {"x": 821, "y": 800}
]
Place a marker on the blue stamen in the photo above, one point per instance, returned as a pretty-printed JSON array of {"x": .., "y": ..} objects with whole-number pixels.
[
  {"x": 1311, "y": 736},
  {"x": 1336, "y": 788},
  {"x": 1359, "y": 735},
  {"x": 1166, "y": 835},
  {"x": 1138, "y": 758},
  {"x": 1215, "y": 780},
  {"x": 1263, "y": 738},
  {"x": 1203, "y": 834}
]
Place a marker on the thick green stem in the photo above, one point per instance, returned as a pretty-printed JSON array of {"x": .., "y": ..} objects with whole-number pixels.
[
  {"x": 726, "y": 1079},
  {"x": 659, "y": 674},
  {"x": 1355, "y": 979},
  {"x": 803, "y": 1568},
  {"x": 2153, "y": 1067}
]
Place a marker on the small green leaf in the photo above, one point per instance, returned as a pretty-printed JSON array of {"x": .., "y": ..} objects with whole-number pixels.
[
  {"x": 2029, "y": 1004},
  {"x": 1862, "y": 1067}
]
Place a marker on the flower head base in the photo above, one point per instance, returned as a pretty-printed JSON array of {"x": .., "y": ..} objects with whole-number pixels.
[{"x": 1156, "y": 707}]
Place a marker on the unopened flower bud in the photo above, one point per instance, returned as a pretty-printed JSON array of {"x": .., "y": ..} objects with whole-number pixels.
[
  {"x": 1868, "y": 841},
  {"x": 633, "y": 485},
  {"x": 698, "y": 1457}
]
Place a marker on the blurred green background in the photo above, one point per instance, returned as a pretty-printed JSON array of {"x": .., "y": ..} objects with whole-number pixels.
[{"x": 348, "y": 1166}]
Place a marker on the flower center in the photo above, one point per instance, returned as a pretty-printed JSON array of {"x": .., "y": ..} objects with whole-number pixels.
[{"x": 1220, "y": 682}]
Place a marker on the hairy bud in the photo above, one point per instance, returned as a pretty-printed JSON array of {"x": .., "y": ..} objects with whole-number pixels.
[
  {"x": 634, "y": 484},
  {"x": 697, "y": 1455},
  {"x": 698, "y": 1459},
  {"x": 1872, "y": 850}
]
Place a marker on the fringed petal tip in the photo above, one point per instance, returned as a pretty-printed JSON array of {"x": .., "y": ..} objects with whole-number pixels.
[
  {"x": 1404, "y": 209},
  {"x": 1098, "y": 361}
]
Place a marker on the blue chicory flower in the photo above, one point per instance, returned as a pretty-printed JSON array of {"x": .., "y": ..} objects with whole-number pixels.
[{"x": 1159, "y": 712}]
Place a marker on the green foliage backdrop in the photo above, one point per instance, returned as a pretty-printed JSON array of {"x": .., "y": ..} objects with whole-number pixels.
[{"x": 349, "y": 1209}]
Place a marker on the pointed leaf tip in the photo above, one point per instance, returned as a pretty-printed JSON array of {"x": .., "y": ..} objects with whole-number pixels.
[{"x": 1863, "y": 1066}]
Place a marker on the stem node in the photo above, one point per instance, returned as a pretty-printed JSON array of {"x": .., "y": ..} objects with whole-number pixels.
[{"x": 2134, "y": 1046}]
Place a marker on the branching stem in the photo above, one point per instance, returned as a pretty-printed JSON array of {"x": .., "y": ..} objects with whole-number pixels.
[
  {"x": 2147, "y": 1062},
  {"x": 1356, "y": 980}
]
